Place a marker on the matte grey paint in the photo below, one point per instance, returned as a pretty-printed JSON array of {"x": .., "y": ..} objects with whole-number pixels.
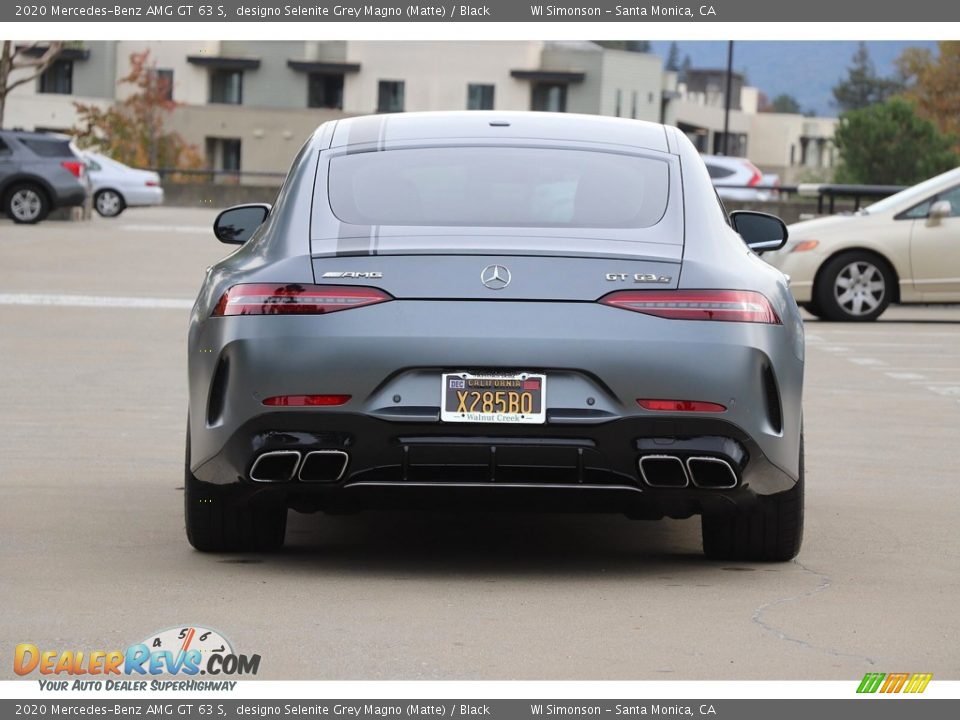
[{"x": 397, "y": 348}]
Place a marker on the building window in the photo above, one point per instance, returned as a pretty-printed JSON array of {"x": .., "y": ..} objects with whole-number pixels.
[
  {"x": 226, "y": 86},
  {"x": 58, "y": 78},
  {"x": 325, "y": 91},
  {"x": 224, "y": 154},
  {"x": 479, "y": 97},
  {"x": 549, "y": 97},
  {"x": 165, "y": 83},
  {"x": 619, "y": 100},
  {"x": 633, "y": 105},
  {"x": 390, "y": 96}
]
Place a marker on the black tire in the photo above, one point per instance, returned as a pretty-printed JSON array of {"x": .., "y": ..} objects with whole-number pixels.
[
  {"x": 109, "y": 203},
  {"x": 813, "y": 309},
  {"x": 219, "y": 519},
  {"x": 769, "y": 531},
  {"x": 866, "y": 303},
  {"x": 26, "y": 203}
]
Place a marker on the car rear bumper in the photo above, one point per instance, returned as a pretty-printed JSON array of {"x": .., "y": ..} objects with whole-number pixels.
[
  {"x": 644, "y": 466},
  {"x": 598, "y": 360},
  {"x": 143, "y": 196}
]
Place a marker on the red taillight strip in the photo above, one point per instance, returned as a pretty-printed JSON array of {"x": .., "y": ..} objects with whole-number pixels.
[
  {"x": 307, "y": 400},
  {"x": 681, "y": 406},
  {"x": 74, "y": 167},
  {"x": 295, "y": 299},
  {"x": 723, "y": 305}
]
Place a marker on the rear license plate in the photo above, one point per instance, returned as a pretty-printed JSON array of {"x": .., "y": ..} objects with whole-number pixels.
[{"x": 511, "y": 399}]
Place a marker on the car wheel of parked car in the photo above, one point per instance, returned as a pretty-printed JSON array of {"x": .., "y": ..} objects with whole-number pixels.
[
  {"x": 26, "y": 203},
  {"x": 813, "y": 309},
  {"x": 219, "y": 520},
  {"x": 109, "y": 203},
  {"x": 769, "y": 530},
  {"x": 855, "y": 286}
]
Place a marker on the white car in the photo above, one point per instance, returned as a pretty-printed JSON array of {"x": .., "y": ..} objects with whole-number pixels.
[
  {"x": 736, "y": 178},
  {"x": 903, "y": 249},
  {"x": 117, "y": 186}
]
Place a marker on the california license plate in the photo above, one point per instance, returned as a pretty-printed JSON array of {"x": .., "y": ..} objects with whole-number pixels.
[{"x": 519, "y": 398}]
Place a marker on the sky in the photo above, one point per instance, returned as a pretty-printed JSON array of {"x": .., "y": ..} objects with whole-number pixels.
[{"x": 808, "y": 70}]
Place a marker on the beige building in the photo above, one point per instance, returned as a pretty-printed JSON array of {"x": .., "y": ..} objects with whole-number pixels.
[{"x": 249, "y": 105}]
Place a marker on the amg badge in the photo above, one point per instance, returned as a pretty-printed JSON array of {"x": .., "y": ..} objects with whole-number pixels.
[
  {"x": 353, "y": 275},
  {"x": 640, "y": 277}
]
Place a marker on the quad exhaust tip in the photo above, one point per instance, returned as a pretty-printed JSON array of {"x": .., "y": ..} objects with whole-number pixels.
[
  {"x": 670, "y": 471},
  {"x": 276, "y": 466},
  {"x": 711, "y": 473},
  {"x": 663, "y": 471},
  {"x": 324, "y": 466}
]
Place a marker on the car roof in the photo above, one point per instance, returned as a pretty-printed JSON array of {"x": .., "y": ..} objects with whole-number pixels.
[{"x": 490, "y": 124}]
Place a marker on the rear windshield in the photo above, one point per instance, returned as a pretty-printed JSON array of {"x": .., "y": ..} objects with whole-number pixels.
[
  {"x": 498, "y": 187},
  {"x": 49, "y": 148}
]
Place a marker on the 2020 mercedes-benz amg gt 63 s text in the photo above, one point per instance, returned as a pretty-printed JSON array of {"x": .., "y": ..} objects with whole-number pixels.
[{"x": 483, "y": 309}]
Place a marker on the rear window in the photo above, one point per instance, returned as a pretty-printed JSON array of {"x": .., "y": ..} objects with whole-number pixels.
[
  {"x": 498, "y": 187},
  {"x": 717, "y": 172},
  {"x": 49, "y": 148}
]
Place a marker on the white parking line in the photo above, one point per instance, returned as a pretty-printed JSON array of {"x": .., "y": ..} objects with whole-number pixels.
[
  {"x": 866, "y": 361},
  {"x": 905, "y": 376},
  {"x": 95, "y": 301}
]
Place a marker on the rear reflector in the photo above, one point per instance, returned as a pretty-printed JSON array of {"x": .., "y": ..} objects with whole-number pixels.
[
  {"x": 152, "y": 183},
  {"x": 681, "y": 406},
  {"x": 73, "y": 166},
  {"x": 307, "y": 400},
  {"x": 725, "y": 305},
  {"x": 295, "y": 299}
]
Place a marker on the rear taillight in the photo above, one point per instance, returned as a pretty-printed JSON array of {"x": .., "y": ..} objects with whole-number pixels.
[
  {"x": 295, "y": 299},
  {"x": 681, "y": 406},
  {"x": 152, "y": 183},
  {"x": 726, "y": 305},
  {"x": 757, "y": 175},
  {"x": 74, "y": 167},
  {"x": 307, "y": 400}
]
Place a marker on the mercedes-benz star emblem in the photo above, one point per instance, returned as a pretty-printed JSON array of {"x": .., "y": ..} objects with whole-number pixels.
[{"x": 495, "y": 277}]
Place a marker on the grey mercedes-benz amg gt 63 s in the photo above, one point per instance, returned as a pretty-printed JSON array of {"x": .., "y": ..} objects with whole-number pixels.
[{"x": 499, "y": 310}]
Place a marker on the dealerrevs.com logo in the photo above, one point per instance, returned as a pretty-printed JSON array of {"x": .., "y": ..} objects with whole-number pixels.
[{"x": 186, "y": 651}]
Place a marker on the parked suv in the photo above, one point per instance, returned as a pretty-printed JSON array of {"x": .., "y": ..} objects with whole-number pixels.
[{"x": 39, "y": 172}]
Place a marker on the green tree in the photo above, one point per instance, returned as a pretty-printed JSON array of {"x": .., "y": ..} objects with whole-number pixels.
[
  {"x": 685, "y": 68},
  {"x": 673, "y": 57},
  {"x": 132, "y": 131},
  {"x": 888, "y": 144},
  {"x": 784, "y": 103},
  {"x": 933, "y": 84},
  {"x": 863, "y": 87},
  {"x": 640, "y": 46}
]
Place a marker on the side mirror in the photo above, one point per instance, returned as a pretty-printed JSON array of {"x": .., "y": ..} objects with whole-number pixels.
[
  {"x": 759, "y": 231},
  {"x": 938, "y": 211},
  {"x": 235, "y": 225}
]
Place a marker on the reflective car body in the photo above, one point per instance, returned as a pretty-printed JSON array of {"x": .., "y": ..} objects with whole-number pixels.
[
  {"x": 117, "y": 186},
  {"x": 586, "y": 257},
  {"x": 903, "y": 249},
  {"x": 39, "y": 172}
]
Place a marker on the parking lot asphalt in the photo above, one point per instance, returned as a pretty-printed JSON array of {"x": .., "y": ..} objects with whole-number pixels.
[{"x": 93, "y": 554}]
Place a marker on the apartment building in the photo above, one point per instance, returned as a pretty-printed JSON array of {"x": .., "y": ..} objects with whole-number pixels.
[{"x": 249, "y": 105}]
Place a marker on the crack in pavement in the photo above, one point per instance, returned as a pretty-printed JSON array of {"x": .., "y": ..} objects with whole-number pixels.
[{"x": 825, "y": 584}]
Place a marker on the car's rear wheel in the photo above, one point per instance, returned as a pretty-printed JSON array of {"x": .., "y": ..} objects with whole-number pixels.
[
  {"x": 109, "y": 203},
  {"x": 26, "y": 203},
  {"x": 771, "y": 530},
  {"x": 854, "y": 286},
  {"x": 220, "y": 519}
]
